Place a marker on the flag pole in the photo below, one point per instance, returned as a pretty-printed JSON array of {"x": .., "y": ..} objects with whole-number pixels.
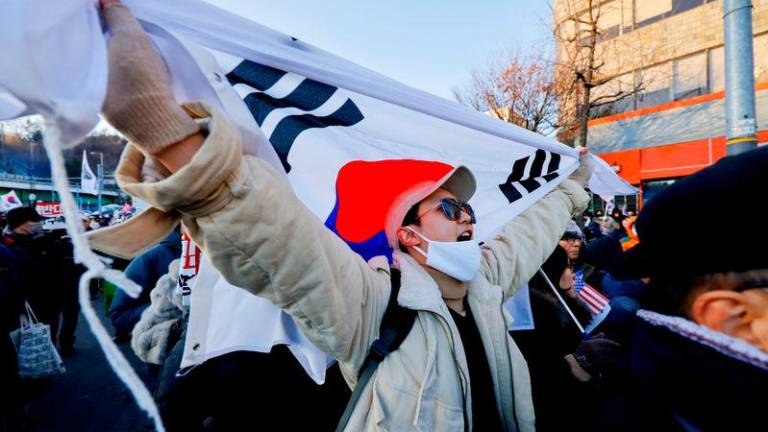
[{"x": 549, "y": 282}]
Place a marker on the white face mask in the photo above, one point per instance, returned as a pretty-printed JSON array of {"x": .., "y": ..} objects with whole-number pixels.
[{"x": 460, "y": 260}]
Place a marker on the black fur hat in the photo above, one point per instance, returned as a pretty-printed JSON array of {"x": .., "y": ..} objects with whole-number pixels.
[{"x": 693, "y": 227}]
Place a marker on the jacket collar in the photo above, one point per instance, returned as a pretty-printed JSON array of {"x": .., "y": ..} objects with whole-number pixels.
[
  {"x": 420, "y": 291},
  {"x": 720, "y": 342},
  {"x": 417, "y": 288},
  {"x": 704, "y": 379}
]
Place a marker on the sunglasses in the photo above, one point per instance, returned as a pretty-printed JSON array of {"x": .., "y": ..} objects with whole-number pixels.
[
  {"x": 452, "y": 209},
  {"x": 753, "y": 284}
]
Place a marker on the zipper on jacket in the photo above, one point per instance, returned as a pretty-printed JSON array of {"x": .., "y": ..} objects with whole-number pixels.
[{"x": 464, "y": 378}]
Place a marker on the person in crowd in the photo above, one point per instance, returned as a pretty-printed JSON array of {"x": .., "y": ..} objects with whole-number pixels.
[
  {"x": 145, "y": 270},
  {"x": 610, "y": 227},
  {"x": 575, "y": 244},
  {"x": 572, "y": 241},
  {"x": 591, "y": 226},
  {"x": 565, "y": 367},
  {"x": 700, "y": 351},
  {"x": 617, "y": 215},
  {"x": 260, "y": 236},
  {"x": 47, "y": 273},
  {"x": 11, "y": 307},
  {"x": 217, "y": 394},
  {"x": 593, "y": 267}
]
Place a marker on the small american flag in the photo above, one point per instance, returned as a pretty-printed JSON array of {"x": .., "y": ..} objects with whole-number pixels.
[{"x": 595, "y": 301}]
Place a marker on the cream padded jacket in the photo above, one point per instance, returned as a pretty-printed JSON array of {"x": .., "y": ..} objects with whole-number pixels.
[{"x": 260, "y": 236}]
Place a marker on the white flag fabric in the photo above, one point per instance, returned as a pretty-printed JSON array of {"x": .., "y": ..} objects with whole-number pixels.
[
  {"x": 59, "y": 63},
  {"x": 519, "y": 309},
  {"x": 250, "y": 323},
  {"x": 89, "y": 184},
  {"x": 344, "y": 135}
]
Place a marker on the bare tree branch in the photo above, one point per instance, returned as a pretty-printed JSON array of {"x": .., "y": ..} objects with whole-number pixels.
[
  {"x": 517, "y": 90},
  {"x": 582, "y": 66}
]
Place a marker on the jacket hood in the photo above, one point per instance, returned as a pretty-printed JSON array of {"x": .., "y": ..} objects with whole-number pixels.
[{"x": 706, "y": 379}]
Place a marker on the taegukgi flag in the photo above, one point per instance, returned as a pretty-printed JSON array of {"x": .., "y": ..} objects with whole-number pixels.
[
  {"x": 343, "y": 135},
  {"x": 9, "y": 201}
]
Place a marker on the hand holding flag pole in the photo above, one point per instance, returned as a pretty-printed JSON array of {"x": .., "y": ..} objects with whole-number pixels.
[{"x": 573, "y": 317}]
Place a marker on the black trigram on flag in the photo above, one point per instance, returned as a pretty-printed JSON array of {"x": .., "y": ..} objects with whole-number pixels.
[
  {"x": 531, "y": 179},
  {"x": 308, "y": 95}
]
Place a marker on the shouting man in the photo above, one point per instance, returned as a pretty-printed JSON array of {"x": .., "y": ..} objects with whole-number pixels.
[{"x": 457, "y": 369}]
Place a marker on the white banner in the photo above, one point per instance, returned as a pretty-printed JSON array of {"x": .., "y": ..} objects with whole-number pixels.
[{"x": 49, "y": 209}]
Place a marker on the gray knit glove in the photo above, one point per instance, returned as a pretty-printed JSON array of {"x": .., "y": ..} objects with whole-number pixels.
[{"x": 139, "y": 101}]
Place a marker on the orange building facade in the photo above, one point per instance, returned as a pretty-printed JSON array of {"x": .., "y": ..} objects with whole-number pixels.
[
  {"x": 672, "y": 52},
  {"x": 662, "y": 163}
]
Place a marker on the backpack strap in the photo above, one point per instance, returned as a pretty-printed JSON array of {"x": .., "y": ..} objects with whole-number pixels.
[{"x": 395, "y": 326}]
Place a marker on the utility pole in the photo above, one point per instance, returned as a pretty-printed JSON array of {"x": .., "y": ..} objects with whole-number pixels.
[{"x": 740, "y": 127}]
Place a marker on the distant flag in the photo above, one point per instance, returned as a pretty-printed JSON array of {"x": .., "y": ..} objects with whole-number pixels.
[
  {"x": 9, "y": 201},
  {"x": 609, "y": 203},
  {"x": 88, "y": 181},
  {"x": 597, "y": 303}
]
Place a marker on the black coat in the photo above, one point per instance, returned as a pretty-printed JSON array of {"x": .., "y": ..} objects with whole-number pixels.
[
  {"x": 695, "y": 384},
  {"x": 125, "y": 311},
  {"x": 47, "y": 273},
  {"x": 556, "y": 393}
]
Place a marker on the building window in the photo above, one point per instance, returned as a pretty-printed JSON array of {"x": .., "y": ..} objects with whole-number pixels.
[
  {"x": 613, "y": 97},
  {"x": 650, "y": 11},
  {"x": 716, "y": 69},
  {"x": 655, "y": 82},
  {"x": 622, "y": 16},
  {"x": 690, "y": 76},
  {"x": 760, "y": 47},
  {"x": 653, "y": 187},
  {"x": 679, "y": 6},
  {"x": 609, "y": 23},
  {"x": 627, "y": 15}
]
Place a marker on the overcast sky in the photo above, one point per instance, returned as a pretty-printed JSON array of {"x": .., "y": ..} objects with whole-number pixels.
[{"x": 428, "y": 44}]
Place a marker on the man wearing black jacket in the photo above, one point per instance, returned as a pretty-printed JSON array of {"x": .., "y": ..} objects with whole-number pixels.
[{"x": 47, "y": 274}]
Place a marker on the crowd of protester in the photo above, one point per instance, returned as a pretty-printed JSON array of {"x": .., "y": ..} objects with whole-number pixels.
[
  {"x": 647, "y": 321},
  {"x": 667, "y": 367}
]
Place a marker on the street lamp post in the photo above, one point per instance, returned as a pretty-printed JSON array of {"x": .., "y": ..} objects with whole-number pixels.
[{"x": 739, "y": 77}]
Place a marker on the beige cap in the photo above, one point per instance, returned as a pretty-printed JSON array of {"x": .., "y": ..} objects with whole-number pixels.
[{"x": 459, "y": 181}]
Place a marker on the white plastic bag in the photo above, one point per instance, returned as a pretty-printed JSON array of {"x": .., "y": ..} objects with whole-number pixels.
[{"x": 37, "y": 356}]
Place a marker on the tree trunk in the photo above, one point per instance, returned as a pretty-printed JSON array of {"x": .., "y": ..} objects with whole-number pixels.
[
  {"x": 583, "y": 112},
  {"x": 586, "y": 83}
]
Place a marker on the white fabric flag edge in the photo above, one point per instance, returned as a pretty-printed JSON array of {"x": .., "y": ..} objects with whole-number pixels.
[{"x": 218, "y": 29}]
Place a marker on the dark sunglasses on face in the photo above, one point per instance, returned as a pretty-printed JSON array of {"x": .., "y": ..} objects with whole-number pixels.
[
  {"x": 452, "y": 209},
  {"x": 753, "y": 284}
]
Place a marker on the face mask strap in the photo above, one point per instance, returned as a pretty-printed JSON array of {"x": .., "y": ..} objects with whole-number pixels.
[{"x": 420, "y": 250}]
